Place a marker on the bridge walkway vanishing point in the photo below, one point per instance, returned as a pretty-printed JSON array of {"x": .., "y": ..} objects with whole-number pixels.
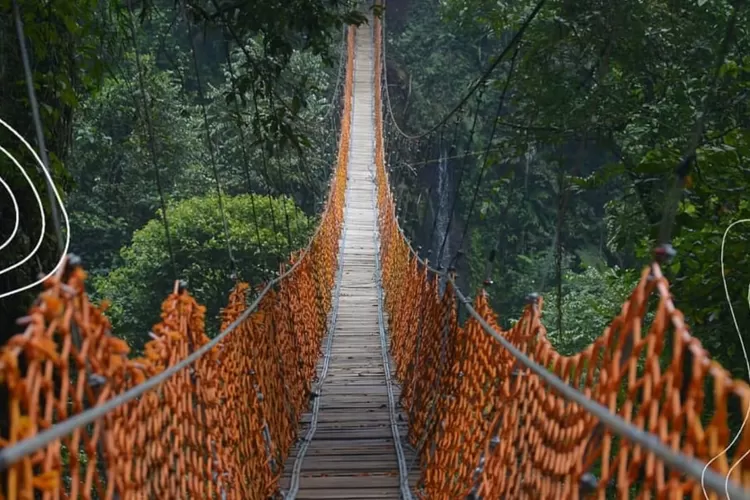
[
  {"x": 510, "y": 417},
  {"x": 347, "y": 443}
]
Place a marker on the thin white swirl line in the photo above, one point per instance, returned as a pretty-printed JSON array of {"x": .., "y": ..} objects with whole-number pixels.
[
  {"x": 739, "y": 460},
  {"x": 62, "y": 209},
  {"x": 15, "y": 207},
  {"x": 41, "y": 209},
  {"x": 747, "y": 363}
]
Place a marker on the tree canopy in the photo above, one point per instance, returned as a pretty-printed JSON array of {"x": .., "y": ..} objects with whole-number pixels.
[
  {"x": 601, "y": 103},
  {"x": 554, "y": 177},
  {"x": 122, "y": 90},
  {"x": 136, "y": 287}
]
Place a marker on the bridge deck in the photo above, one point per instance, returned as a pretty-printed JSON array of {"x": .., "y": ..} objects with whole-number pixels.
[{"x": 351, "y": 452}]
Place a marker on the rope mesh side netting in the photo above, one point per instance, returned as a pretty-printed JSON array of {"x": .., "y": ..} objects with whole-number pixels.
[
  {"x": 485, "y": 425},
  {"x": 219, "y": 427},
  {"x": 215, "y": 418}
]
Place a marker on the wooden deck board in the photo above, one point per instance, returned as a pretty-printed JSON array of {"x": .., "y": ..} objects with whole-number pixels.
[{"x": 352, "y": 453}]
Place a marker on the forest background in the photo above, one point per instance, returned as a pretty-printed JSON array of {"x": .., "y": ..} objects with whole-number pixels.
[{"x": 563, "y": 184}]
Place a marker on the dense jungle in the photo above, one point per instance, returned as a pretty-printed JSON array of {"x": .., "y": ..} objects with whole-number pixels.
[
  {"x": 175, "y": 128},
  {"x": 556, "y": 176}
]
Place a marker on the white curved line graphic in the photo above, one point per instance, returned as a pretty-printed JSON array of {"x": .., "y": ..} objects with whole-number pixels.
[
  {"x": 747, "y": 363},
  {"x": 62, "y": 209},
  {"x": 15, "y": 207},
  {"x": 739, "y": 460},
  {"x": 41, "y": 209}
]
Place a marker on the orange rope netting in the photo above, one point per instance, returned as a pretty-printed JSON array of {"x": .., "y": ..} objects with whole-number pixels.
[
  {"x": 220, "y": 428},
  {"x": 482, "y": 423}
]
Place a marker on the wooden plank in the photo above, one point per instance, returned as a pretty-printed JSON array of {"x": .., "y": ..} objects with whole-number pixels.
[
  {"x": 346, "y": 452},
  {"x": 361, "y": 404},
  {"x": 317, "y": 482},
  {"x": 372, "y": 415},
  {"x": 352, "y": 452},
  {"x": 348, "y": 494},
  {"x": 372, "y": 464}
]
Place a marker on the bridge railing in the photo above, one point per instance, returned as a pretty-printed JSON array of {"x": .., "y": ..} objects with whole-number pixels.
[
  {"x": 194, "y": 417},
  {"x": 501, "y": 414}
]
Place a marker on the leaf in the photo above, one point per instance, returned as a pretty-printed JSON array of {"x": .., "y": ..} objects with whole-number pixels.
[
  {"x": 729, "y": 68},
  {"x": 676, "y": 267},
  {"x": 295, "y": 104},
  {"x": 688, "y": 208},
  {"x": 525, "y": 259}
]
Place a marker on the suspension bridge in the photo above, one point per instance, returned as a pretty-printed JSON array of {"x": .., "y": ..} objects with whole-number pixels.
[{"x": 350, "y": 377}]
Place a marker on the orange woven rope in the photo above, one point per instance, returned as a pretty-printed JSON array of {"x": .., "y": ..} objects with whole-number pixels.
[
  {"x": 220, "y": 428},
  {"x": 482, "y": 423}
]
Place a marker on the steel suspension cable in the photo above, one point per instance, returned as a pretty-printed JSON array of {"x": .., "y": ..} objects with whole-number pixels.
[
  {"x": 485, "y": 161},
  {"x": 441, "y": 148},
  {"x": 152, "y": 141},
  {"x": 339, "y": 76},
  {"x": 619, "y": 426},
  {"x": 264, "y": 163},
  {"x": 12, "y": 454},
  {"x": 562, "y": 198},
  {"x": 476, "y": 85},
  {"x": 683, "y": 169},
  {"x": 685, "y": 464},
  {"x": 614, "y": 422},
  {"x": 243, "y": 148},
  {"x": 457, "y": 194},
  {"x": 209, "y": 141},
  {"x": 62, "y": 242},
  {"x": 277, "y": 184}
]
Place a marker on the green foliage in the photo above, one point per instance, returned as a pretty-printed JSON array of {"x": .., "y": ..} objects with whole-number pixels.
[
  {"x": 608, "y": 94},
  {"x": 590, "y": 301},
  {"x": 65, "y": 41},
  {"x": 136, "y": 288},
  {"x": 116, "y": 190},
  {"x": 94, "y": 112},
  {"x": 300, "y": 170},
  {"x": 270, "y": 34},
  {"x": 428, "y": 65},
  {"x": 115, "y": 163}
]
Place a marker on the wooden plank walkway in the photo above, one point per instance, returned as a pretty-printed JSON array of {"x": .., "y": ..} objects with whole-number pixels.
[{"x": 350, "y": 453}]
